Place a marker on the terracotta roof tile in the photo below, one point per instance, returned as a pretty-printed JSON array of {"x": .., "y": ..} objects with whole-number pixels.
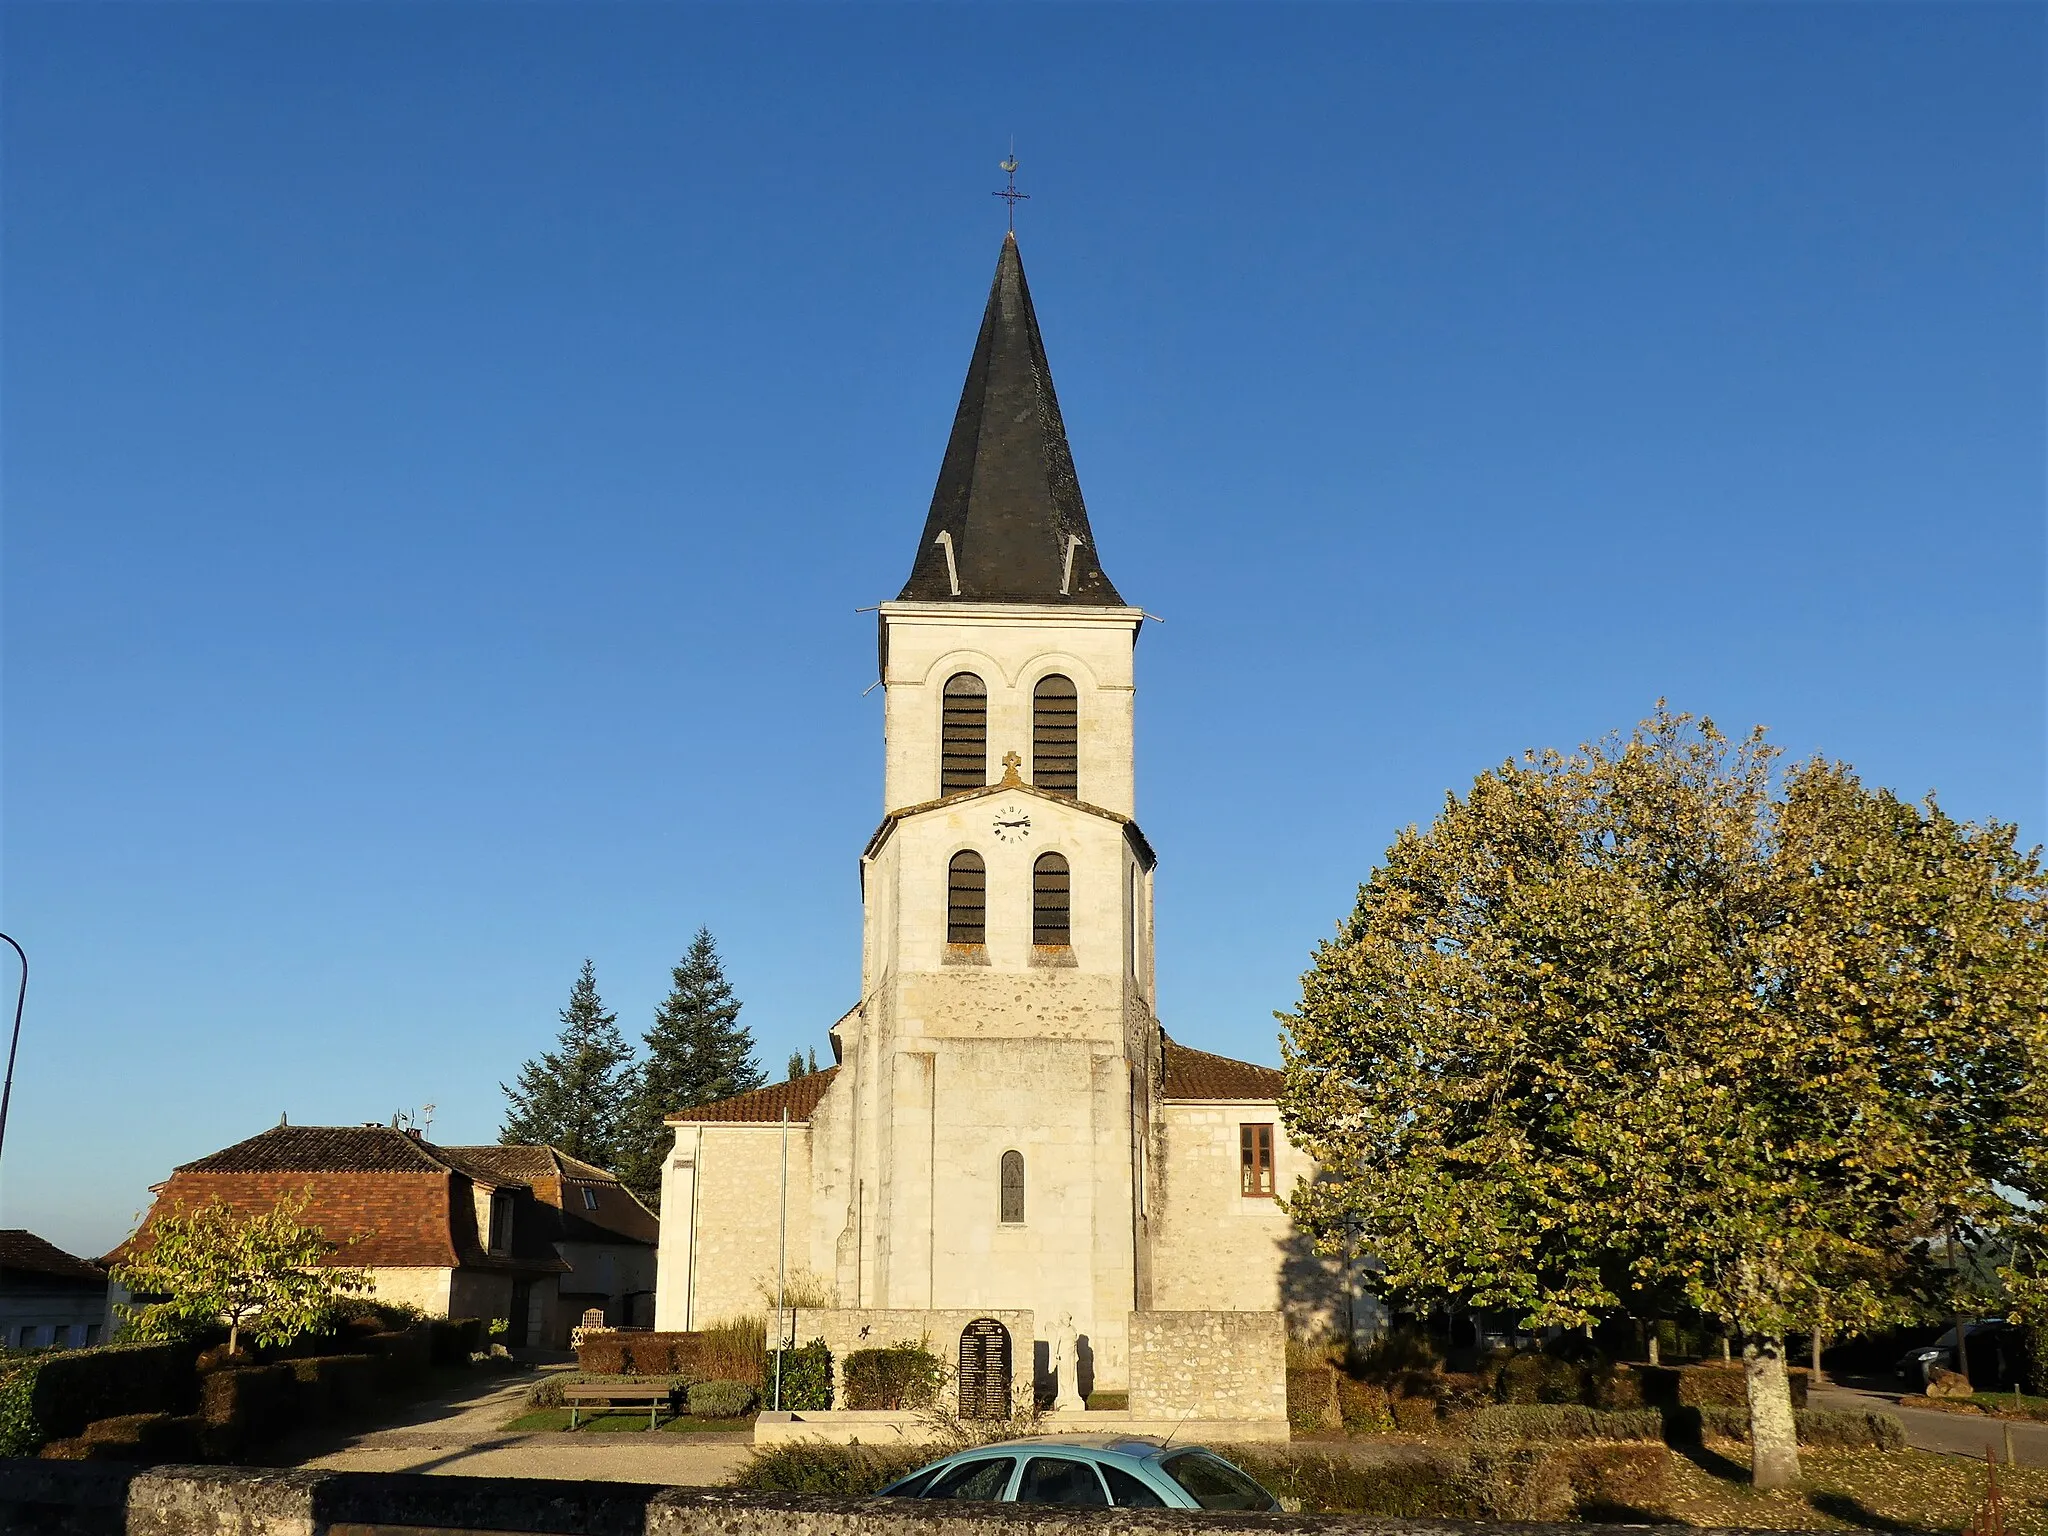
[
  {"x": 764, "y": 1105},
  {"x": 1192, "y": 1074},
  {"x": 323, "y": 1149},
  {"x": 24, "y": 1253}
]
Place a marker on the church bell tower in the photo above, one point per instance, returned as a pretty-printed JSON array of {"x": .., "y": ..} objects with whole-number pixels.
[{"x": 1003, "y": 1053}]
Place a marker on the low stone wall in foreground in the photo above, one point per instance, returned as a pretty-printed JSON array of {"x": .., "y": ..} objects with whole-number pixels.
[{"x": 89, "y": 1499}]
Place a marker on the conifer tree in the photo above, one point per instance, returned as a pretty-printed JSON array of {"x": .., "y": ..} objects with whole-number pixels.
[
  {"x": 697, "y": 1051},
  {"x": 796, "y": 1065},
  {"x": 575, "y": 1097}
]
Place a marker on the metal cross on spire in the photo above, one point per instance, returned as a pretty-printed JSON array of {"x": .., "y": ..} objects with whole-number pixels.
[{"x": 1010, "y": 194}]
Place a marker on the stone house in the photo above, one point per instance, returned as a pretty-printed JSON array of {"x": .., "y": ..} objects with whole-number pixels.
[
  {"x": 1007, "y": 1126},
  {"x": 493, "y": 1232},
  {"x": 48, "y": 1298}
]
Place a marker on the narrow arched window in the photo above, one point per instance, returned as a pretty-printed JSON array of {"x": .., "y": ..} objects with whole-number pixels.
[
  {"x": 966, "y": 899},
  {"x": 1013, "y": 1186},
  {"x": 963, "y": 734},
  {"x": 1055, "y": 735},
  {"x": 1051, "y": 901}
]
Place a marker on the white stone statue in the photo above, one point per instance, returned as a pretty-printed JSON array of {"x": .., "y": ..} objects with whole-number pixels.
[{"x": 1066, "y": 1366}]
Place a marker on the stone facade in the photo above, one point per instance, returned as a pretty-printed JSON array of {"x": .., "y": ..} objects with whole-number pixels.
[{"x": 1209, "y": 1365}]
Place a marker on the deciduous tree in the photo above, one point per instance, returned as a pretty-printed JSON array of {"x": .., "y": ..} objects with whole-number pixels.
[
  {"x": 1643, "y": 1020},
  {"x": 265, "y": 1274}
]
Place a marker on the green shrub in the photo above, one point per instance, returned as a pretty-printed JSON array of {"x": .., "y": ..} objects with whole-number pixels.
[
  {"x": 1615, "y": 1385},
  {"x": 1539, "y": 1378},
  {"x": 1556, "y": 1484},
  {"x": 1617, "y": 1481},
  {"x": 1706, "y": 1386},
  {"x": 135, "y": 1437},
  {"x": 403, "y": 1356},
  {"x": 721, "y": 1399},
  {"x": 848, "y": 1470},
  {"x": 1394, "y": 1352},
  {"x": 1363, "y": 1406},
  {"x": 455, "y": 1339},
  {"x": 1552, "y": 1423},
  {"x": 241, "y": 1407},
  {"x": 1312, "y": 1398},
  {"x": 1414, "y": 1415},
  {"x": 54, "y": 1394},
  {"x": 806, "y": 1378},
  {"x": 1419, "y": 1488},
  {"x": 901, "y": 1376}
]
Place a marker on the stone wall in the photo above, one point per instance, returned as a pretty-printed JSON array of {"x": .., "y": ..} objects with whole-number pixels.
[
  {"x": 1209, "y": 1365},
  {"x": 1213, "y": 1248},
  {"x": 845, "y": 1329},
  {"x": 721, "y": 1221},
  {"x": 250, "y": 1501}
]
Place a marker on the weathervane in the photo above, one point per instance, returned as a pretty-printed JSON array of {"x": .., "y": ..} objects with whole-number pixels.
[{"x": 1010, "y": 194}]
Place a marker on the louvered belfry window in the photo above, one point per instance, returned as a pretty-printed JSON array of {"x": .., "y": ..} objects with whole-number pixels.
[
  {"x": 1051, "y": 901},
  {"x": 966, "y": 899},
  {"x": 1013, "y": 1186},
  {"x": 963, "y": 735},
  {"x": 1055, "y": 735}
]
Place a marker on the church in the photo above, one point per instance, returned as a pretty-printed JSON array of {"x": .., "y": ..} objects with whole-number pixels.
[{"x": 1007, "y": 1129}]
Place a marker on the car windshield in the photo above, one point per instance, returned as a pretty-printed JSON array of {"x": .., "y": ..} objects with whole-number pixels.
[{"x": 1216, "y": 1484}]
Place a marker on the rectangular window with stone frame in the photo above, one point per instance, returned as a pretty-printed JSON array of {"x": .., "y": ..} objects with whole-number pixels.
[{"x": 1255, "y": 1159}]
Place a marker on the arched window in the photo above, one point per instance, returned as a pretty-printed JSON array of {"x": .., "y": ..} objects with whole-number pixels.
[
  {"x": 963, "y": 735},
  {"x": 966, "y": 899},
  {"x": 1051, "y": 901},
  {"x": 1055, "y": 735},
  {"x": 1013, "y": 1186}
]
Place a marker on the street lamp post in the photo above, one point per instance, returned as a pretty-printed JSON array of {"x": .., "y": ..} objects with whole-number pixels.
[{"x": 13, "y": 1044}]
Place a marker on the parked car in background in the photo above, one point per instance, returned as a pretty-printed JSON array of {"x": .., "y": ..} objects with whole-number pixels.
[
  {"x": 1994, "y": 1346},
  {"x": 1100, "y": 1472}
]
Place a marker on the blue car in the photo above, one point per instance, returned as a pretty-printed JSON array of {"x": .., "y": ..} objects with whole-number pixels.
[{"x": 1090, "y": 1471}]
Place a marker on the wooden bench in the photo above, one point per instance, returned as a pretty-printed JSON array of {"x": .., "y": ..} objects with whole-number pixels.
[{"x": 580, "y": 1395}]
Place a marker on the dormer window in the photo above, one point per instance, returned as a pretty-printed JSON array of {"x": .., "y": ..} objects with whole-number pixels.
[
  {"x": 501, "y": 1221},
  {"x": 590, "y": 1199},
  {"x": 963, "y": 734},
  {"x": 1055, "y": 735}
]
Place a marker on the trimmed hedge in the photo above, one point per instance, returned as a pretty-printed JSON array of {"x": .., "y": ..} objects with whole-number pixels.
[
  {"x": 1414, "y": 1415},
  {"x": 1836, "y": 1428},
  {"x": 1554, "y": 1423},
  {"x": 630, "y": 1353},
  {"x": 138, "y": 1437},
  {"x": 548, "y": 1391},
  {"x": 454, "y": 1339},
  {"x": 1706, "y": 1386},
  {"x": 55, "y": 1396},
  {"x": 721, "y": 1399},
  {"x": 902, "y": 1376},
  {"x": 1420, "y": 1488},
  {"x": 806, "y": 1378},
  {"x": 1363, "y": 1407},
  {"x": 1312, "y": 1402}
]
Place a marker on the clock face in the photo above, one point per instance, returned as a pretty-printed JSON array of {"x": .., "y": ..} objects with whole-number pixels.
[{"x": 1012, "y": 824}]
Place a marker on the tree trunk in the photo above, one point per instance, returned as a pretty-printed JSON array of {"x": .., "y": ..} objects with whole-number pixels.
[
  {"x": 234, "y": 1335},
  {"x": 1962, "y": 1346},
  {"x": 1724, "y": 1347},
  {"x": 1652, "y": 1351},
  {"x": 1819, "y": 1378},
  {"x": 1773, "y": 1433}
]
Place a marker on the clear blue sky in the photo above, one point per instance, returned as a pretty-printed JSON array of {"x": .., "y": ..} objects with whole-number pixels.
[{"x": 445, "y": 446}]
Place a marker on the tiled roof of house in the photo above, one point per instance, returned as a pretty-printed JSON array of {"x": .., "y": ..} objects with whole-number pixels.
[
  {"x": 324, "y": 1149},
  {"x": 24, "y": 1253},
  {"x": 502, "y": 1165},
  {"x": 1192, "y": 1074},
  {"x": 800, "y": 1095},
  {"x": 612, "y": 1214}
]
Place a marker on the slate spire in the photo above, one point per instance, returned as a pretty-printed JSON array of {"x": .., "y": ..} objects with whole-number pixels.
[{"x": 1008, "y": 507}]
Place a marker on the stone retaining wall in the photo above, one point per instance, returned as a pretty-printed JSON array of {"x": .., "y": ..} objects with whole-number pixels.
[
  {"x": 1209, "y": 1365},
  {"x": 249, "y": 1501}
]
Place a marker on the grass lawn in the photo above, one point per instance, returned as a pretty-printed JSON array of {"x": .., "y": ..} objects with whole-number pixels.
[
  {"x": 2003, "y": 1405},
  {"x": 1857, "y": 1490},
  {"x": 624, "y": 1422}
]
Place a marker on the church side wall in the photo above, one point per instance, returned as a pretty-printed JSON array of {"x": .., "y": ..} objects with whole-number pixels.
[
  {"x": 1215, "y": 1249},
  {"x": 715, "y": 1261}
]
